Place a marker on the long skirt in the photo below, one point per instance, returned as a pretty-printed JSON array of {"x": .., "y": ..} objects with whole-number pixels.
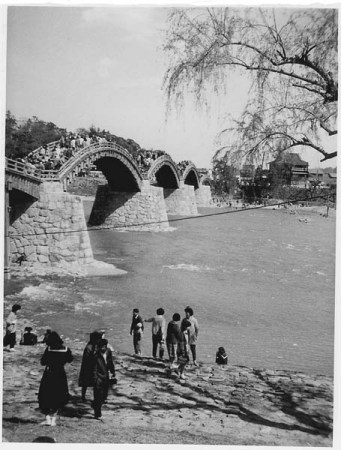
[{"x": 53, "y": 391}]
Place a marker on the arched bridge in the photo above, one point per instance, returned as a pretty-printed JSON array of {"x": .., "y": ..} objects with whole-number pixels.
[
  {"x": 47, "y": 225},
  {"x": 119, "y": 167}
]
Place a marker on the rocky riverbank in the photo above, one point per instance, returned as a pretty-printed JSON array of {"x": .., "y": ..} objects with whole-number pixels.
[{"x": 230, "y": 405}]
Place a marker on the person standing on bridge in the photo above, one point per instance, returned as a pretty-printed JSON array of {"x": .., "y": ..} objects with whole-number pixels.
[{"x": 158, "y": 332}]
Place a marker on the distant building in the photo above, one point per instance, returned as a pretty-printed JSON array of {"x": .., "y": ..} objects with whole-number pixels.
[
  {"x": 321, "y": 178},
  {"x": 295, "y": 169}
]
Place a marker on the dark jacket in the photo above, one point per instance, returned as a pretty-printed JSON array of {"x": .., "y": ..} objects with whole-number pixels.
[
  {"x": 101, "y": 368},
  {"x": 29, "y": 339},
  {"x": 173, "y": 333},
  {"x": 87, "y": 366},
  {"x": 134, "y": 323}
]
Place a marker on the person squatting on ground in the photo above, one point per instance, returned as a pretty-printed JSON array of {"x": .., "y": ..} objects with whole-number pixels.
[
  {"x": 11, "y": 328},
  {"x": 136, "y": 330},
  {"x": 172, "y": 340},
  {"x": 221, "y": 356},
  {"x": 53, "y": 391},
  {"x": 28, "y": 338},
  {"x": 193, "y": 333},
  {"x": 103, "y": 364},
  {"x": 158, "y": 332},
  {"x": 183, "y": 347},
  {"x": 86, "y": 379}
]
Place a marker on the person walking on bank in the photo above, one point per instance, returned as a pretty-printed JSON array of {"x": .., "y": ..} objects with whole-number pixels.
[
  {"x": 158, "y": 332},
  {"x": 193, "y": 333},
  {"x": 103, "y": 365},
  {"x": 172, "y": 339},
  {"x": 87, "y": 366},
  {"x": 136, "y": 330},
  {"x": 11, "y": 328},
  {"x": 53, "y": 391}
]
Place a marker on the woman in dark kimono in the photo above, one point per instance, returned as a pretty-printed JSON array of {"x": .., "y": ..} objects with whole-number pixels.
[
  {"x": 86, "y": 378},
  {"x": 53, "y": 390}
]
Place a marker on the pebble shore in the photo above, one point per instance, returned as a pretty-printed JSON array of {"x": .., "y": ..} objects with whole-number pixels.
[{"x": 225, "y": 405}]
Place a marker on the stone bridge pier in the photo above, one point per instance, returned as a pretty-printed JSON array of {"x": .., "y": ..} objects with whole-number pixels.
[
  {"x": 181, "y": 201},
  {"x": 49, "y": 229},
  {"x": 143, "y": 211},
  {"x": 203, "y": 196}
]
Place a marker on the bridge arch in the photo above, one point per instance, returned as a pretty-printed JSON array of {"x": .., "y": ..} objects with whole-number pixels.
[
  {"x": 191, "y": 176},
  {"x": 205, "y": 180},
  {"x": 117, "y": 165},
  {"x": 164, "y": 173}
]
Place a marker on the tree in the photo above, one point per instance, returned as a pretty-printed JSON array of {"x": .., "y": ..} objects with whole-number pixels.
[
  {"x": 224, "y": 177},
  {"x": 11, "y": 126},
  {"x": 291, "y": 59},
  {"x": 29, "y": 135}
]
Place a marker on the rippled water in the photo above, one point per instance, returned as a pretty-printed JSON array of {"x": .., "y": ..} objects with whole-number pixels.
[{"x": 260, "y": 282}]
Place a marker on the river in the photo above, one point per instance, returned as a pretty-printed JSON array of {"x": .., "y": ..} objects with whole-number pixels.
[{"x": 261, "y": 284}]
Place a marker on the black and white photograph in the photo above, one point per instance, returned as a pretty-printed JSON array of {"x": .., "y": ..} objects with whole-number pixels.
[{"x": 170, "y": 218}]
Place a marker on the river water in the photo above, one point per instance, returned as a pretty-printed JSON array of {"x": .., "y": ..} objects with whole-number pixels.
[{"x": 261, "y": 284}]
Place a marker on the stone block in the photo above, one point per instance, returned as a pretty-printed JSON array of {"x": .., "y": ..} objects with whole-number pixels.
[
  {"x": 54, "y": 257},
  {"x": 29, "y": 249},
  {"x": 43, "y": 259},
  {"x": 43, "y": 250},
  {"x": 32, "y": 212}
]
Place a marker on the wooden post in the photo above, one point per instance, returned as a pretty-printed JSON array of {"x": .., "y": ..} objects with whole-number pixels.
[{"x": 7, "y": 249}]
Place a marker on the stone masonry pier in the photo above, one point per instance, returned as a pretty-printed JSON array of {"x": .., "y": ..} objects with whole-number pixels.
[
  {"x": 203, "y": 196},
  {"x": 51, "y": 229},
  {"x": 143, "y": 211},
  {"x": 181, "y": 201}
]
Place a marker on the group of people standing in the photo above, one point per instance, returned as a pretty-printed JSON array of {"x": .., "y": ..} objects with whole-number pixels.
[{"x": 180, "y": 338}]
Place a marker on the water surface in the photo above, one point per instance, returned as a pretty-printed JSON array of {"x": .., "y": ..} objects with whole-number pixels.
[{"x": 261, "y": 284}]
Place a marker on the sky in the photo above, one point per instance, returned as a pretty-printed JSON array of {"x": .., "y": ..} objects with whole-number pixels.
[{"x": 104, "y": 66}]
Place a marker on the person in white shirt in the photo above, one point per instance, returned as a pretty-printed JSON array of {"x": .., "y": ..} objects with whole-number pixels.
[
  {"x": 158, "y": 332},
  {"x": 11, "y": 328},
  {"x": 193, "y": 333}
]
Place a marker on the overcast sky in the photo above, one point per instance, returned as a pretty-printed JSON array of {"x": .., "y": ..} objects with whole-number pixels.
[{"x": 77, "y": 66}]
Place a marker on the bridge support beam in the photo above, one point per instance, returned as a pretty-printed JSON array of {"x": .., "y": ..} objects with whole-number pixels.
[
  {"x": 144, "y": 210},
  {"x": 52, "y": 229},
  {"x": 203, "y": 196},
  {"x": 181, "y": 201}
]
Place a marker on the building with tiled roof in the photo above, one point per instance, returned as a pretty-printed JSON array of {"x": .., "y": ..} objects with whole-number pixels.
[{"x": 299, "y": 169}]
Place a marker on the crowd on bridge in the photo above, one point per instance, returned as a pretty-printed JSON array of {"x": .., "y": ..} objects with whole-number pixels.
[
  {"x": 51, "y": 157},
  {"x": 145, "y": 158},
  {"x": 183, "y": 164},
  {"x": 97, "y": 368}
]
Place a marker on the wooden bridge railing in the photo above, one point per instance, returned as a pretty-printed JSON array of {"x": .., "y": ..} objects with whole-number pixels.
[{"x": 25, "y": 169}]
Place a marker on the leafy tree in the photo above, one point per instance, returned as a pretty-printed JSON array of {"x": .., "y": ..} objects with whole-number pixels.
[
  {"x": 25, "y": 137},
  {"x": 11, "y": 126},
  {"x": 224, "y": 177},
  {"x": 291, "y": 59}
]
